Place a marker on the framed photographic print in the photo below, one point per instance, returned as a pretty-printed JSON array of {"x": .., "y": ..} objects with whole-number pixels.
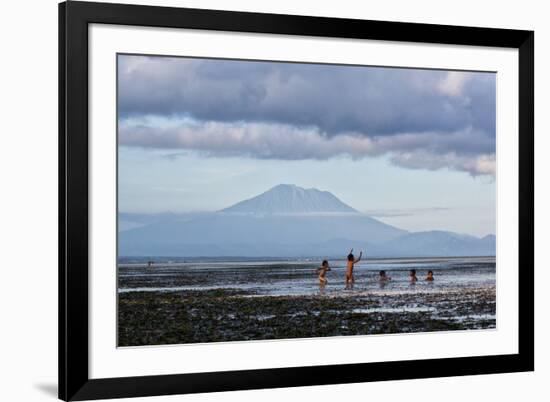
[{"x": 257, "y": 200}]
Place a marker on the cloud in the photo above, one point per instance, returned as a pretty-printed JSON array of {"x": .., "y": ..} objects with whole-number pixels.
[
  {"x": 421, "y": 119},
  {"x": 476, "y": 165},
  {"x": 453, "y": 83},
  {"x": 392, "y": 213},
  {"x": 279, "y": 141},
  {"x": 335, "y": 99}
]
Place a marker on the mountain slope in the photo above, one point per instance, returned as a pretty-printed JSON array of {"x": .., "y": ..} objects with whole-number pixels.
[
  {"x": 228, "y": 234},
  {"x": 438, "y": 243},
  {"x": 288, "y": 198},
  {"x": 285, "y": 221}
]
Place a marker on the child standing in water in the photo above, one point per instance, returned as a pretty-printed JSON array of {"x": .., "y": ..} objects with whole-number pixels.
[
  {"x": 350, "y": 280},
  {"x": 322, "y": 271},
  {"x": 412, "y": 276},
  {"x": 382, "y": 277},
  {"x": 430, "y": 276}
]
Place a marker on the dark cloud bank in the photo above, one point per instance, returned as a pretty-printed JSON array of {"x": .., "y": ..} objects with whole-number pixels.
[{"x": 422, "y": 119}]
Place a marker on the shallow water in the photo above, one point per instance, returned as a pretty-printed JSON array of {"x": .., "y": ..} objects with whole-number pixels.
[{"x": 281, "y": 278}]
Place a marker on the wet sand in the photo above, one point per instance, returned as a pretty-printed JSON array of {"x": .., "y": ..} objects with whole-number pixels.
[
  {"x": 221, "y": 315},
  {"x": 220, "y": 301}
]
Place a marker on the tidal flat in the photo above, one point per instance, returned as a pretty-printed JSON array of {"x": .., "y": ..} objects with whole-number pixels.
[
  {"x": 178, "y": 302},
  {"x": 222, "y": 315}
]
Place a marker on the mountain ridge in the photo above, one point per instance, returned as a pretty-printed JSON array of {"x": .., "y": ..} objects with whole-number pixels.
[
  {"x": 289, "y": 198},
  {"x": 287, "y": 221}
]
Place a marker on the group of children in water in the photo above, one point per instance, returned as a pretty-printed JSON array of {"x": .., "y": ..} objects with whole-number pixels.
[{"x": 350, "y": 279}]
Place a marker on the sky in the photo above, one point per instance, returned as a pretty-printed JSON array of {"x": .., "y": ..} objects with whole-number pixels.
[{"x": 414, "y": 148}]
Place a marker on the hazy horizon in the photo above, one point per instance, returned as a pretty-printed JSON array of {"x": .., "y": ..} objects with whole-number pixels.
[{"x": 385, "y": 216}]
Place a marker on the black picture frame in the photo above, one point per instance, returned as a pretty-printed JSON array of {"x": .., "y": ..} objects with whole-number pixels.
[{"x": 74, "y": 18}]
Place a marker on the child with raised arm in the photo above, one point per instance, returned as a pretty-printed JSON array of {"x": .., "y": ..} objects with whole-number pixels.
[
  {"x": 322, "y": 271},
  {"x": 350, "y": 280}
]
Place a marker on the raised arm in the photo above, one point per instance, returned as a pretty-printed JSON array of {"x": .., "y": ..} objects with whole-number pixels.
[{"x": 359, "y": 259}]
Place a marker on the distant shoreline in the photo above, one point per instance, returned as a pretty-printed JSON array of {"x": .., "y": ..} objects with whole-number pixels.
[{"x": 172, "y": 259}]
